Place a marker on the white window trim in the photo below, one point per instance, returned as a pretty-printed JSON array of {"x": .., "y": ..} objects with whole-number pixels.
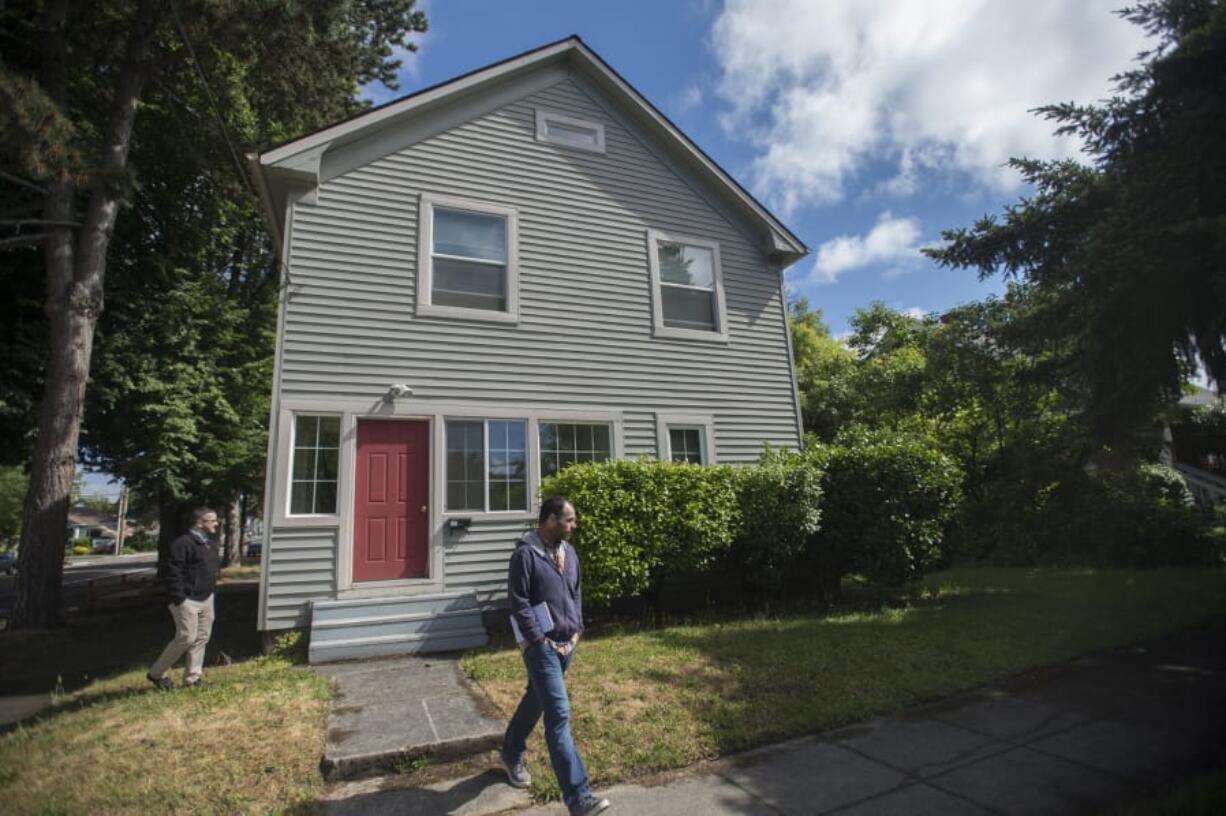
[
  {"x": 720, "y": 335},
  {"x": 287, "y": 477},
  {"x": 425, "y": 254},
  {"x": 544, "y": 116},
  {"x": 703, "y": 422}
]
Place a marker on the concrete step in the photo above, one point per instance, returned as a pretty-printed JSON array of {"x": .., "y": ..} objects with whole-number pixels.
[{"x": 383, "y": 627}]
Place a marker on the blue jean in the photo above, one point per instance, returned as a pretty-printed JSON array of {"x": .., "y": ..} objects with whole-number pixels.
[{"x": 546, "y": 694}]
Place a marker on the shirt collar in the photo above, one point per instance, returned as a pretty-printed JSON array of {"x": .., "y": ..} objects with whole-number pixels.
[
  {"x": 199, "y": 536},
  {"x": 534, "y": 540}
]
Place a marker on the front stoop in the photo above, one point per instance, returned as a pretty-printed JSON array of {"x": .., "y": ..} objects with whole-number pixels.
[
  {"x": 383, "y": 627},
  {"x": 386, "y": 713}
]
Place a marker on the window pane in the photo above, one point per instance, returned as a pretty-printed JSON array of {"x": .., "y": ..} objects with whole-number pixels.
[
  {"x": 518, "y": 496},
  {"x": 566, "y": 437},
  {"x": 325, "y": 497},
  {"x": 325, "y": 464},
  {"x": 470, "y": 235},
  {"x": 329, "y": 432},
  {"x": 301, "y": 497},
  {"x": 306, "y": 431},
  {"x": 688, "y": 308},
  {"x": 600, "y": 441},
  {"x": 686, "y": 444},
  {"x": 687, "y": 265},
  {"x": 508, "y": 464},
  {"x": 465, "y": 465},
  {"x": 549, "y": 464},
  {"x": 304, "y": 464},
  {"x": 549, "y": 436},
  {"x": 469, "y": 285}
]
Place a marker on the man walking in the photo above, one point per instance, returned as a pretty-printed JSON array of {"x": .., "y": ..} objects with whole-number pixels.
[
  {"x": 191, "y": 576},
  {"x": 544, "y": 588}
]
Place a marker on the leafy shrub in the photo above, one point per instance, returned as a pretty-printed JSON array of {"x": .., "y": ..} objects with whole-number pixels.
[
  {"x": 888, "y": 497},
  {"x": 80, "y": 541},
  {"x": 1142, "y": 516},
  {"x": 81, "y": 549},
  {"x": 640, "y": 520},
  {"x": 780, "y": 502},
  {"x": 140, "y": 541}
]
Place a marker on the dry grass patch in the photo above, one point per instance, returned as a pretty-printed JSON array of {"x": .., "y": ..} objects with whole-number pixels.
[{"x": 249, "y": 742}]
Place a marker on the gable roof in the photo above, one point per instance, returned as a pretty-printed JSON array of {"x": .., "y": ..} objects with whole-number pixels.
[{"x": 296, "y": 164}]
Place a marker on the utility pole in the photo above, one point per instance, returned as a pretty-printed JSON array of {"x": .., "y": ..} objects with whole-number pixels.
[{"x": 123, "y": 520}]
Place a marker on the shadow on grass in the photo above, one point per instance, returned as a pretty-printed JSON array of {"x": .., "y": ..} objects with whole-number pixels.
[
  {"x": 105, "y": 643},
  {"x": 770, "y": 678}
]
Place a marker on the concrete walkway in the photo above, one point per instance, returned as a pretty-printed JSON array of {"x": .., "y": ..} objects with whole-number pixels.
[
  {"x": 1087, "y": 737},
  {"x": 387, "y": 712}
]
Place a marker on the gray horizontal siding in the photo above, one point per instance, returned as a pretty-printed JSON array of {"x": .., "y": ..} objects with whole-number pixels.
[
  {"x": 476, "y": 561},
  {"x": 585, "y": 294},
  {"x": 301, "y": 568}
]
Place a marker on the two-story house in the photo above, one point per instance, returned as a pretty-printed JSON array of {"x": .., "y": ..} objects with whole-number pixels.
[{"x": 485, "y": 281}]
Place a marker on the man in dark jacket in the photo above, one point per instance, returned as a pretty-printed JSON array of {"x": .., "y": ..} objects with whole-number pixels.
[
  {"x": 190, "y": 574},
  {"x": 544, "y": 575}
]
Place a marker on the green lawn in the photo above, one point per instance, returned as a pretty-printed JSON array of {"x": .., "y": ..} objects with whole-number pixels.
[{"x": 649, "y": 701}]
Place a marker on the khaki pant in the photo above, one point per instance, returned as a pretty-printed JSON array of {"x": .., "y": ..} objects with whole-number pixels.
[{"x": 193, "y": 625}]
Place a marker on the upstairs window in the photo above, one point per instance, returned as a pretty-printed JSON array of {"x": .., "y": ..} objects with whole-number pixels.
[
  {"x": 569, "y": 131},
  {"x": 688, "y": 292},
  {"x": 467, "y": 260}
]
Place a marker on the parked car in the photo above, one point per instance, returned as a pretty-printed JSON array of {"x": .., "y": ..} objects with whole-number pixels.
[
  {"x": 8, "y": 562},
  {"x": 103, "y": 545},
  {"x": 254, "y": 547}
]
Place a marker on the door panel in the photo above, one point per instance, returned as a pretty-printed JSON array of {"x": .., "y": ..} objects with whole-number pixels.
[{"x": 391, "y": 522}]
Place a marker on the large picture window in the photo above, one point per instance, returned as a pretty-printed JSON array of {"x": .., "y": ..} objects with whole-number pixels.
[
  {"x": 564, "y": 443},
  {"x": 314, "y": 466},
  {"x": 486, "y": 465},
  {"x": 467, "y": 260},
  {"x": 688, "y": 299}
]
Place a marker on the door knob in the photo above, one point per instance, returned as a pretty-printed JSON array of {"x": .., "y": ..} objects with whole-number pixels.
[{"x": 423, "y": 508}]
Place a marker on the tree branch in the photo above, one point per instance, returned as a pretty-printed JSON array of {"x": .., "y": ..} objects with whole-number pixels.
[
  {"x": 22, "y": 182},
  {"x": 21, "y": 240}
]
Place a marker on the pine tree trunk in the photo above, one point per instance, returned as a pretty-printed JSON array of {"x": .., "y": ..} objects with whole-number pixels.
[
  {"x": 234, "y": 538},
  {"x": 75, "y": 271}
]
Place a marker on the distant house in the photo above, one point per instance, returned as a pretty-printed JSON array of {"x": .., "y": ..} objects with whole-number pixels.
[
  {"x": 486, "y": 281},
  {"x": 90, "y": 523}
]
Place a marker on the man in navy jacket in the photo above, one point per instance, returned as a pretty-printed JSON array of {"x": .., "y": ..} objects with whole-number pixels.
[
  {"x": 545, "y": 571},
  {"x": 191, "y": 576}
]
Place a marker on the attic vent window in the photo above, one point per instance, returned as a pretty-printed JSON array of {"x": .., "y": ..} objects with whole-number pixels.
[{"x": 560, "y": 129}]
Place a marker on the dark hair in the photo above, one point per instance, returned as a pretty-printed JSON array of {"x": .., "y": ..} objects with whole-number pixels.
[
  {"x": 552, "y": 506},
  {"x": 201, "y": 512}
]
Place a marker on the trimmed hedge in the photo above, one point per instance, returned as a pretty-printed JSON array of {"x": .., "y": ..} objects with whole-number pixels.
[
  {"x": 889, "y": 496},
  {"x": 780, "y": 500},
  {"x": 641, "y": 520}
]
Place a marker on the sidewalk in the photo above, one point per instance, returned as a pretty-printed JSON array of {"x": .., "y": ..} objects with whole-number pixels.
[{"x": 1086, "y": 737}]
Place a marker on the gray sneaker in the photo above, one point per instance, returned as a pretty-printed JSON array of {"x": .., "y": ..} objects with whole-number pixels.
[
  {"x": 517, "y": 773},
  {"x": 589, "y": 806}
]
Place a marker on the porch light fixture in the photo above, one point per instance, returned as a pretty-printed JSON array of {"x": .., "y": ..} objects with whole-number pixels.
[{"x": 397, "y": 391}]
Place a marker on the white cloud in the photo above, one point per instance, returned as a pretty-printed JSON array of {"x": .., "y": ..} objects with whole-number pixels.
[
  {"x": 915, "y": 312},
  {"x": 891, "y": 240},
  {"x": 687, "y": 99},
  {"x": 823, "y": 89}
]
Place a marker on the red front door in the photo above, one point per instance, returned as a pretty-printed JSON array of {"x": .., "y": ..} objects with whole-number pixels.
[{"x": 391, "y": 500}]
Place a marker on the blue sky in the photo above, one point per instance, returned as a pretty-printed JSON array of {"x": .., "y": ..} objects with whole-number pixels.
[{"x": 868, "y": 126}]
